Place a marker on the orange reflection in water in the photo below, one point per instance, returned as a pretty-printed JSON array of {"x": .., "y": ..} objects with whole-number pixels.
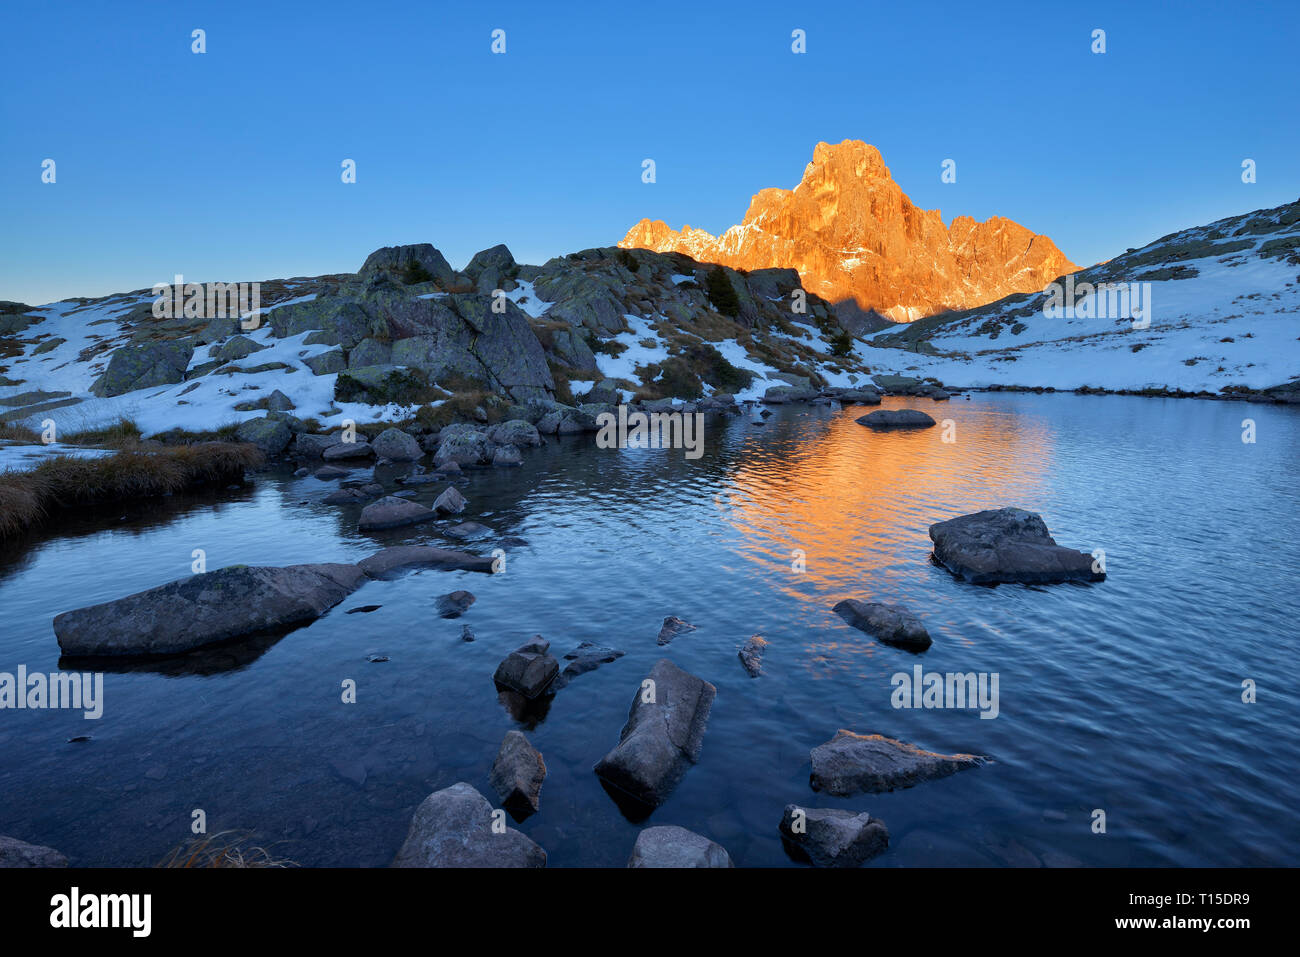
[{"x": 858, "y": 503}]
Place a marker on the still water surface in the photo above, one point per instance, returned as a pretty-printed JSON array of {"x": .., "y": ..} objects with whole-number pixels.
[{"x": 1123, "y": 696}]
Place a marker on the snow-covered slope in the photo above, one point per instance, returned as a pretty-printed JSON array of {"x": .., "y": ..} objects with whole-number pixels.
[{"x": 1222, "y": 300}]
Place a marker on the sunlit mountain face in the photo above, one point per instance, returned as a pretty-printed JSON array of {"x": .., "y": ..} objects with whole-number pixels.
[{"x": 853, "y": 234}]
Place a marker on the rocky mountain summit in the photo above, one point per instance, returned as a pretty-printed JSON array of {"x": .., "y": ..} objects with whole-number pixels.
[{"x": 853, "y": 235}]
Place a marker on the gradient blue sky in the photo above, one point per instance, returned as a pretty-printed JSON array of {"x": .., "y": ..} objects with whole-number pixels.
[{"x": 226, "y": 166}]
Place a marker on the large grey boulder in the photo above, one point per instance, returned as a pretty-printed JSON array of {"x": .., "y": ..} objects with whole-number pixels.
[
  {"x": 833, "y": 837},
  {"x": 896, "y": 419},
  {"x": 206, "y": 608},
  {"x": 238, "y": 347},
  {"x": 270, "y": 435},
  {"x": 396, "y": 263},
  {"x": 397, "y": 445},
  {"x": 308, "y": 445},
  {"x": 529, "y": 669},
  {"x": 454, "y": 828},
  {"x": 498, "y": 258},
  {"x": 16, "y": 853},
  {"x": 144, "y": 365},
  {"x": 852, "y": 763},
  {"x": 662, "y": 737},
  {"x": 388, "y": 562},
  {"x": 393, "y": 512},
  {"x": 463, "y": 448},
  {"x": 507, "y": 455},
  {"x": 672, "y": 846},
  {"x": 781, "y": 394},
  {"x": 892, "y": 624},
  {"x": 859, "y": 396},
  {"x": 517, "y": 774},
  {"x": 1008, "y": 545},
  {"x": 516, "y": 432}
]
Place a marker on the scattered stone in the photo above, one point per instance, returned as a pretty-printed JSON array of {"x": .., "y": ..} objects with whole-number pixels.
[
  {"x": 453, "y": 828},
  {"x": 1008, "y": 545},
  {"x": 455, "y": 604},
  {"x": 672, "y": 628},
  {"x": 672, "y": 846},
  {"x": 450, "y": 502},
  {"x": 301, "y": 473},
  {"x": 388, "y": 561},
  {"x": 517, "y": 775},
  {"x": 309, "y": 446},
  {"x": 528, "y": 670},
  {"x": 363, "y": 609},
  {"x": 851, "y": 763},
  {"x": 376, "y": 659},
  {"x": 206, "y": 608},
  {"x": 466, "y": 633},
  {"x": 393, "y": 512},
  {"x": 327, "y": 472},
  {"x": 662, "y": 737},
  {"x": 277, "y": 401},
  {"x": 833, "y": 837},
  {"x": 16, "y": 853},
  {"x": 892, "y": 624},
  {"x": 751, "y": 654},
  {"x": 896, "y": 419}
]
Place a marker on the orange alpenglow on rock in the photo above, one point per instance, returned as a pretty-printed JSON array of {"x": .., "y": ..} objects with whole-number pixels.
[{"x": 852, "y": 233}]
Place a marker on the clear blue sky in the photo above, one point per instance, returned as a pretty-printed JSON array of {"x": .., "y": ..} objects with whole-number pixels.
[{"x": 226, "y": 165}]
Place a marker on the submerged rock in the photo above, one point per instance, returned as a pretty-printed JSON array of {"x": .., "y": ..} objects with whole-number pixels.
[
  {"x": 206, "y": 608},
  {"x": 852, "y": 763},
  {"x": 517, "y": 775},
  {"x": 672, "y": 627},
  {"x": 453, "y": 828},
  {"x": 385, "y": 563},
  {"x": 832, "y": 837},
  {"x": 751, "y": 654},
  {"x": 529, "y": 669},
  {"x": 662, "y": 737},
  {"x": 896, "y": 419},
  {"x": 394, "y": 512},
  {"x": 455, "y": 604},
  {"x": 469, "y": 530},
  {"x": 16, "y": 853},
  {"x": 672, "y": 846},
  {"x": 1008, "y": 545},
  {"x": 586, "y": 657},
  {"x": 892, "y": 624}
]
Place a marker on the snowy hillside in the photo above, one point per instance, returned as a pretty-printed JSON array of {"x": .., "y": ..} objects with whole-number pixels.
[{"x": 1224, "y": 316}]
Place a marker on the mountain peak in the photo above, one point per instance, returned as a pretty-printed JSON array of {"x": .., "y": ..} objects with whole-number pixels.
[{"x": 852, "y": 233}]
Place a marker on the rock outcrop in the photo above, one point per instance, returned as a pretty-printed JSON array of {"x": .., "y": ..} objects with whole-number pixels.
[
  {"x": 205, "y": 609},
  {"x": 850, "y": 764},
  {"x": 453, "y": 828},
  {"x": 892, "y": 624},
  {"x": 662, "y": 737},
  {"x": 672, "y": 846},
  {"x": 832, "y": 837},
  {"x": 1008, "y": 545}
]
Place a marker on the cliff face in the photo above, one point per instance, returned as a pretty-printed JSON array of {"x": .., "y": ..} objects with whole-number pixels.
[{"x": 852, "y": 233}]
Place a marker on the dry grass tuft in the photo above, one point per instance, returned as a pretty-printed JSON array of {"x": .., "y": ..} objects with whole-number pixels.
[
  {"x": 224, "y": 849},
  {"x": 29, "y": 497}
]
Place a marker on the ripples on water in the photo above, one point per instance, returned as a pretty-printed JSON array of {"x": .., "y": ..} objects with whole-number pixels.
[{"x": 1123, "y": 696}]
